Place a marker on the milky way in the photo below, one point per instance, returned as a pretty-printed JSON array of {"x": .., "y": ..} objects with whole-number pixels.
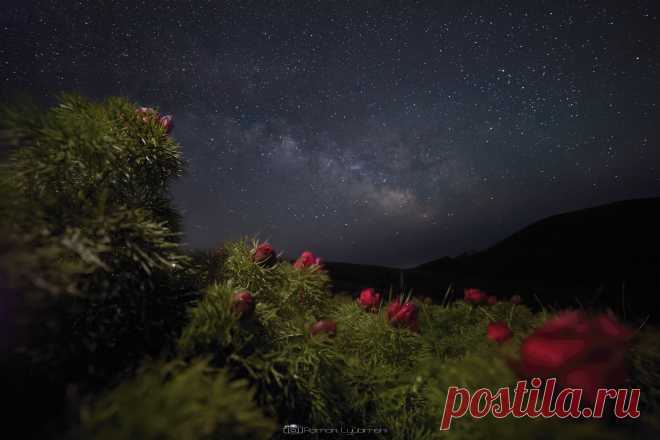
[{"x": 368, "y": 131}]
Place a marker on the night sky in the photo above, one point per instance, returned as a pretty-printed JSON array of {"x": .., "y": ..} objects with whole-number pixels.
[{"x": 376, "y": 132}]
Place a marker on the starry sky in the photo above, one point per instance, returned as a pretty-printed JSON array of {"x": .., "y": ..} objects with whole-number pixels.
[{"x": 378, "y": 132}]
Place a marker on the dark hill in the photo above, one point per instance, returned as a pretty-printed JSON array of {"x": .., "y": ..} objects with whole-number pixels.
[
  {"x": 618, "y": 241},
  {"x": 607, "y": 256}
]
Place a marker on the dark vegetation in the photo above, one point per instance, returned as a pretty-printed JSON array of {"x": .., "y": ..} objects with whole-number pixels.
[{"x": 111, "y": 331}]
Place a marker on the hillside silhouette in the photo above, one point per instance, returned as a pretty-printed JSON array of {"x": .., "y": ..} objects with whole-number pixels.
[{"x": 606, "y": 256}]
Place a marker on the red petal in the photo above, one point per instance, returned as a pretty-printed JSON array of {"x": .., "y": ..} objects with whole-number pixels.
[{"x": 541, "y": 353}]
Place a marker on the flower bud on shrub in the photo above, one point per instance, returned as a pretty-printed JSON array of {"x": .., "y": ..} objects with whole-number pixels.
[
  {"x": 499, "y": 332},
  {"x": 403, "y": 315},
  {"x": 243, "y": 304},
  {"x": 325, "y": 326},
  {"x": 474, "y": 296},
  {"x": 167, "y": 122},
  {"x": 369, "y": 300},
  {"x": 515, "y": 299},
  {"x": 307, "y": 259},
  {"x": 264, "y": 254},
  {"x": 146, "y": 113}
]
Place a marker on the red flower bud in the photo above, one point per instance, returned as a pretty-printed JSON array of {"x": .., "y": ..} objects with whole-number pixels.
[
  {"x": 167, "y": 122},
  {"x": 369, "y": 300},
  {"x": 307, "y": 259},
  {"x": 403, "y": 315},
  {"x": 491, "y": 300},
  {"x": 264, "y": 254},
  {"x": 515, "y": 299},
  {"x": 499, "y": 332},
  {"x": 243, "y": 304},
  {"x": 326, "y": 326},
  {"x": 579, "y": 350},
  {"x": 474, "y": 296},
  {"x": 393, "y": 308}
]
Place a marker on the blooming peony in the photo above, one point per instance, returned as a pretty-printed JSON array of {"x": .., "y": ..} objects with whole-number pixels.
[
  {"x": 369, "y": 300},
  {"x": 307, "y": 259},
  {"x": 580, "y": 350},
  {"x": 499, "y": 332},
  {"x": 474, "y": 296},
  {"x": 403, "y": 315}
]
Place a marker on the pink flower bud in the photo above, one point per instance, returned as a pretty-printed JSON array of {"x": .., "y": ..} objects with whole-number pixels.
[{"x": 167, "y": 122}]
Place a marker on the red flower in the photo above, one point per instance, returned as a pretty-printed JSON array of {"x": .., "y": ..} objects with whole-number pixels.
[
  {"x": 474, "y": 296},
  {"x": 579, "y": 350},
  {"x": 403, "y": 315},
  {"x": 264, "y": 254},
  {"x": 167, "y": 122},
  {"x": 499, "y": 332},
  {"x": 515, "y": 299},
  {"x": 369, "y": 300},
  {"x": 307, "y": 259},
  {"x": 491, "y": 300},
  {"x": 243, "y": 304},
  {"x": 326, "y": 326}
]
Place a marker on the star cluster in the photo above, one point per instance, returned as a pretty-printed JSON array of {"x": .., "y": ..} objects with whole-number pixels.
[{"x": 369, "y": 131}]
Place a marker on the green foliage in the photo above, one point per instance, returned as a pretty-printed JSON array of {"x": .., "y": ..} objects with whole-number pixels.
[
  {"x": 291, "y": 289},
  {"x": 177, "y": 401},
  {"x": 272, "y": 348},
  {"x": 213, "y": 327},
  {"x": 88, "y": 234},
  {"x": 80, "y": 157},
  {"x": 370, "y": 374},
  {"x": 371, "y": 338}
]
